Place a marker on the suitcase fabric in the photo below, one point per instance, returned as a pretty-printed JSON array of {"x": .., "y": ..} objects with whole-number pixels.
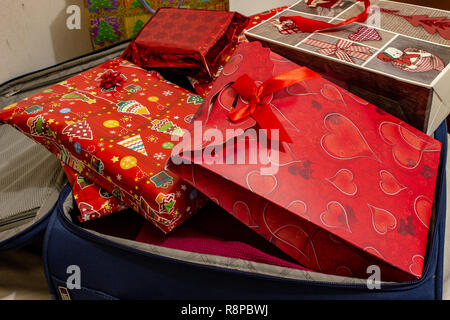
[{"x": 113, "y": 268}]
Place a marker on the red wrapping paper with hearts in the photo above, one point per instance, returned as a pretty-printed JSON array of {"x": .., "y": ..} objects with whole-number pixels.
[
  {"x": 116, "y": 131},
  {"x": 354, "y": 189}
]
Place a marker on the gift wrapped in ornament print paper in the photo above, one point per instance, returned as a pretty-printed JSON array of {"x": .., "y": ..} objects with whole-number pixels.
[
  {"x": 353, "y": 188},
  {"x": 113, "y": 125}
]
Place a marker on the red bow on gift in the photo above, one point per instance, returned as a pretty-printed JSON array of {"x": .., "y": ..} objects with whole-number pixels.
[
  {"x": 111, "y": 79},
  {"x": 311, "y": 25},
  {"x": 343, "y": 49},
  {"x": 260, "y": 110}
]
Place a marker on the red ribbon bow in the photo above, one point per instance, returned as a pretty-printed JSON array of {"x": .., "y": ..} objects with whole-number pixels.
[
  {"x": 259, "y": 109},
  {"x": 111, "y": 79},
  {"x": 311, "y": 25}
]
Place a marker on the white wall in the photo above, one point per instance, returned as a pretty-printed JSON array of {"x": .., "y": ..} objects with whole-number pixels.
[{"x": 33, "y": 33}]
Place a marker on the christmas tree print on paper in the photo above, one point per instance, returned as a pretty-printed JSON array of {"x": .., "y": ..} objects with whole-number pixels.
[
  {"x": 38, "y": 126},
  {"x": 166, "y": 203},
  {"x": 80, "y": 130},
  {"x": 432, "y": 25},
  {"x": 100, "y": 4},
  {"x": 137, "y": 27},
  {"x": 167, "y": 126},
  {"x": 77, "y": 96},
  {"x": 138, "y": 4},
  {"x": 106, "y": 32},
  {"x": 195, "y": 100},
  {"x": 134, "y": 143}
]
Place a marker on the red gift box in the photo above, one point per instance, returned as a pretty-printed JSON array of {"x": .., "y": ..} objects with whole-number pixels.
[
  {"x": 186, "y": 41},
  {"x": 354, "y": 188},
  {"x": 114, "y": 124},
  {"x": 92, "y": 201}
]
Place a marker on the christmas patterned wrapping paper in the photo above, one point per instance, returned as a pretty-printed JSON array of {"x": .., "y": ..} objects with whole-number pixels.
[
  {"x": 112, "y": 21},
  {"x": 187, "y": 42},
  {"x": 113, "y": 125},
  {"x": 397, "y": 59},
  {"x": 93, "y": 202},
  {"x": 355, "y": 187}
]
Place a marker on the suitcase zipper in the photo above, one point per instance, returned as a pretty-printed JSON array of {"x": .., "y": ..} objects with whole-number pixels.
[
  {"x": 384, "y": 287},
  {"x": 17, "y": 219}
]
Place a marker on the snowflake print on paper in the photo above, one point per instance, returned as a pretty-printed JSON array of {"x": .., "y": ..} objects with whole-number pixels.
[
  {"x": 159, "y": 156},
  {"x": 167, "y": 93}
]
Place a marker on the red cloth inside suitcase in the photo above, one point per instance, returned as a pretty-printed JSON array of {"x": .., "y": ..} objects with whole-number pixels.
[{"x": 211, "y": 231}]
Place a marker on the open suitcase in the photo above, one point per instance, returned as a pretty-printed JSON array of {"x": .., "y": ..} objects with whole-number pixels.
[{"x": 113, "y": 265}]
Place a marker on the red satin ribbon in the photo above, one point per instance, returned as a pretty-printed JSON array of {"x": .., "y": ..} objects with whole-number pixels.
[
  {"x": 311, "y": 25},
  {"x": 260, "y": 110}
]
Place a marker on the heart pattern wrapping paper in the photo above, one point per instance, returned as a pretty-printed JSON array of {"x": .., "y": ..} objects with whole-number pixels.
[
  {"x": 118, "y": 137},
  {"x": 354, "y": 189}
]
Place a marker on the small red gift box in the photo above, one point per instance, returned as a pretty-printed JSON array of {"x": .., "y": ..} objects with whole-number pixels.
[
  {"x": 186, "y": 41},
  {"x": 114, "y": 124},
  {"x": 354, "y": 188}
]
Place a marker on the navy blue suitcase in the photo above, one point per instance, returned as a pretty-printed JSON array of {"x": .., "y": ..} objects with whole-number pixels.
[{"x": 112, "y": 268}]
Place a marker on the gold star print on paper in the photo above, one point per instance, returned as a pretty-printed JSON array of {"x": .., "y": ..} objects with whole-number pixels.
[{"x": 115, "y": 159}]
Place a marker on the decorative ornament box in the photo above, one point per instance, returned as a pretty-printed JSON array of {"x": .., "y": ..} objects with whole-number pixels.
[
  {"x": 113, "y": 125},
  {"x": 353, "y": 188},
  {"x": 396, "y": 59}
]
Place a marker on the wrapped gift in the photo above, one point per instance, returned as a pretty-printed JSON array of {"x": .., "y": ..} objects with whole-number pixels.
[
  {"x": 92, "y": 200},
  {"x": 113, "y": 124},
  {"x": 188, "y": 42},
  {"x": 344, "y": 186},
  {"x": 395, "y": 57},
  {"x": 203, "y": 86},
  {"x": 112, "y": 21}
]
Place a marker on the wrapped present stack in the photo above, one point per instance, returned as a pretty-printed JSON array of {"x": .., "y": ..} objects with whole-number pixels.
[
  {"x": 318, "y": 144},
  {"x": 395, "y": 56}
]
